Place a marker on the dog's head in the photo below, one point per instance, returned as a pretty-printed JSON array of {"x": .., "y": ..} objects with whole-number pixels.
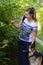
[{"x": 31, "y": 50}]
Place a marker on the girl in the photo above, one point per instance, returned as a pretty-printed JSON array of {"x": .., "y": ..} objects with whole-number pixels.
[{"x": 27, "y": 34}]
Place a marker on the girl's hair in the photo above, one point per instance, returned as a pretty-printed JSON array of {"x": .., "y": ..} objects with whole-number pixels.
[{"x": 33, "y": 12}]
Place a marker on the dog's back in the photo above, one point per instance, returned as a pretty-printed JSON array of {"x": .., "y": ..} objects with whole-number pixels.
[{"x": 42, "y": 57}]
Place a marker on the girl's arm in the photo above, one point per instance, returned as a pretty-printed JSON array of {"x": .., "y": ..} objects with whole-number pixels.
[
  {"x": 17, "y": 25},
  {"x": 34, "y": 36}
]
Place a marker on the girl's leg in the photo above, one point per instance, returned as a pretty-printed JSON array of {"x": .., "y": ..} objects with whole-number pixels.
[{"x": 23, "y": 57}]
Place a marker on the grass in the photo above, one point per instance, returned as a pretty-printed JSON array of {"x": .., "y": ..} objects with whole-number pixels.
[
  {"x": 38, "y": 46},
  {"x": 40, "y": 34}
]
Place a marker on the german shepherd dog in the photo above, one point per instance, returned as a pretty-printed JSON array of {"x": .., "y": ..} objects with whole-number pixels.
[{"x": 35, "y": 57}]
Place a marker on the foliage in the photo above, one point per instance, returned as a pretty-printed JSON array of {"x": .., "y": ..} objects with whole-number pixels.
[{"x": 13, "y": 10}]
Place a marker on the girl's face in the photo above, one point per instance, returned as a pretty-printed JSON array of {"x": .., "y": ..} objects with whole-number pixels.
[{"x": 28, "y": 15}]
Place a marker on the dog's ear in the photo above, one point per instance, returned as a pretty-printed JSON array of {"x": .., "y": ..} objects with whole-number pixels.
[
  {"x": 29, "y": 46},
  {"x": 32, "y": 46}
]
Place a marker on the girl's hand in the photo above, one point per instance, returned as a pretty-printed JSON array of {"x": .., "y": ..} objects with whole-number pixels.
[
  {"x": 32, "y": 45},
  {"x": 12, "y": 22},
  {"x": 17, "y": 25}
]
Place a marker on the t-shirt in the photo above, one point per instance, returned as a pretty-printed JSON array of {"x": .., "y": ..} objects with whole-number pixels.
[{"x": 26, "y": 30}]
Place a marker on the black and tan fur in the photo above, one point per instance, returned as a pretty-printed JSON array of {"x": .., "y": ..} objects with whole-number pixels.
[{"x": 34, "y": 57}]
